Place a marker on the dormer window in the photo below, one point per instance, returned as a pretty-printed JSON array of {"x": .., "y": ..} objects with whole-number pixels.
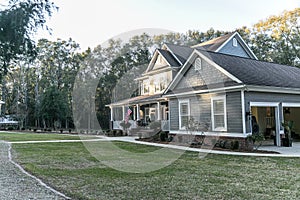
[
  {"x": 198, "y": 64},
  {"x": 234, "y": 42}
]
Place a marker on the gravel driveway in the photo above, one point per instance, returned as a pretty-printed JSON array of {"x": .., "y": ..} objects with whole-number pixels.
[{"x": 14, "y": 184}]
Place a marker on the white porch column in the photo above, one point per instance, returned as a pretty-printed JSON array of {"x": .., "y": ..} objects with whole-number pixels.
[
  {"x": 137, "y": 112},
  {"x": 278, "y": 125},
  {"x": 134, "y": 113},
  {"x": 123, "y": 112},
  {"x": 111, "y": 113},
  {"x": 158, "y": 111}
]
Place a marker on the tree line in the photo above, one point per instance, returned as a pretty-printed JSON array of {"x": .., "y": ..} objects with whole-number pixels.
[{"x": 38, "y": 78}]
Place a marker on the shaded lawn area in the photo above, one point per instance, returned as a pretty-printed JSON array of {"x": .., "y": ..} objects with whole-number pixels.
[
  {"x": 15, "y": 137},
  {"x": 71, "y": 169}
]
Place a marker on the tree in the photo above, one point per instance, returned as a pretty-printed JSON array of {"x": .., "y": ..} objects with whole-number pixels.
[
  {"x": 57, "y": 65},
  {"x": 53, "y": 107},
  {"x": 18, "y": 21},
  {"x": 277, "y": 39}
]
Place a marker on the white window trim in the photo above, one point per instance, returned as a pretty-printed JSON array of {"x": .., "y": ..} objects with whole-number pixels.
[
  {"x": 179, "y": 110},
  {"x": 212, "y": 113},
  {"x": 146, "y": 82}
]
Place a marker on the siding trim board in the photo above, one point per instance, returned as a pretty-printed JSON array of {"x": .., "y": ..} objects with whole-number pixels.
[
  {"x": 291, "y": 105},
  {"x": 217, "y": 90},
  {"x": 269, "y": 89},
  {"x": 243, "y": 111}
]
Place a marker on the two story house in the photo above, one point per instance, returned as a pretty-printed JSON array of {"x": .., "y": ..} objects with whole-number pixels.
[{"x": 219, "y": 83}]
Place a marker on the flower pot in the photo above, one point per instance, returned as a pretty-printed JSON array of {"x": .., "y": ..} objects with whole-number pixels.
[{"x": 287, "y": 142}]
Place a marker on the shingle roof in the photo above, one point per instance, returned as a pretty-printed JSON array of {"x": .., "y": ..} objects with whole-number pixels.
[
  {"x": 254, "y": 72},
  {"x": 181, "y": 52},
  {"x": 214, "y": 44},
  {"x": 168, "y": 56}
]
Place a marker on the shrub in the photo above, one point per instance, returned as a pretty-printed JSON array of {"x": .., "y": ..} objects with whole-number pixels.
[
  {"x": 10, "y": 128},
  {"x": 163, "y": 136},
  {"x": 222, "y": 144},
  {"x": 256, "y": 139},
  {"x": 235, "y": 145}
]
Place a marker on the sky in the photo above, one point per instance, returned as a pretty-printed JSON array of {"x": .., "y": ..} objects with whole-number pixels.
[{"x": 92, "y": 22}]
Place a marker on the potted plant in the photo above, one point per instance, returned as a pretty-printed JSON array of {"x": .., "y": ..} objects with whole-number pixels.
[{"x": 287, "y": 140}]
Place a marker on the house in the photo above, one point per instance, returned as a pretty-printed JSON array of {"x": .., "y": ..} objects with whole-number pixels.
[{"x": 220, "y": 84}]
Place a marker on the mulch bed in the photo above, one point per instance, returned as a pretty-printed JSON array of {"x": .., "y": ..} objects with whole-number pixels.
[{"x": 207, "y": 147}]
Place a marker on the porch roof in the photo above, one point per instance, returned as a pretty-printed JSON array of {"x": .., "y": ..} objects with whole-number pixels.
[{"x": 138, "y": 100}]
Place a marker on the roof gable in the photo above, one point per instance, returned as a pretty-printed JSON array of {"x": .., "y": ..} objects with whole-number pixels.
[
  {"x": 166, "y": 59},
  {"x": 224, "y": 44},
  {"x": 214, "y": 44},
  {"x": 212, "y": 75}
]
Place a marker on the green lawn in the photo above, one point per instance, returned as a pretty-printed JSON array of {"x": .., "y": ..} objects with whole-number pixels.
[
  {"x": 70, "y": 168},
  {"x": 14, "y": 137}
]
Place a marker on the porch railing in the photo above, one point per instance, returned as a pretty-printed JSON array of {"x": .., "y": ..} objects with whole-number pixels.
[
  {"x": 165, "y": 125},
  {"x": 117, "y": 125}
]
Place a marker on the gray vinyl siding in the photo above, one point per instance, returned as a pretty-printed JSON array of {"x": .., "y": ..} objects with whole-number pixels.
[
  {"x": 174, "y": 114},
  {"x": 234, "y": 112},
  {"x": 268, "y": 97},
  {"x": 228, "y": 48},
  {"x": 206, "y": 76},
  {"x": 200, "y": 110}
]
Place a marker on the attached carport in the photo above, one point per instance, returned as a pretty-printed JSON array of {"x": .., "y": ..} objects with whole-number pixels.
[{"x": 276, "y": 107}]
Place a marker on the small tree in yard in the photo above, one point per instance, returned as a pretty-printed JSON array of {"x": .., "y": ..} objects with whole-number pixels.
[
  {"x": 256, "y": 139},
  {"x": 195, "y": 126}
]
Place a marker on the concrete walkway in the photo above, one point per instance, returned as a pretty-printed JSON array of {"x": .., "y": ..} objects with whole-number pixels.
[
  {"x": 294, "y": 150},
  {"x": 15, "y": 183}
]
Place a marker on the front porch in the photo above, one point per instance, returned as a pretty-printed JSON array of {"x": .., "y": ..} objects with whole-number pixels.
[{"x": 139, "y": 115}]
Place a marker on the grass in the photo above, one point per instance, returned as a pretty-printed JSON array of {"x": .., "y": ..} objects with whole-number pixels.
[
  {"x": 15, "y": 137},
  {"x": 70, "y": 168}
]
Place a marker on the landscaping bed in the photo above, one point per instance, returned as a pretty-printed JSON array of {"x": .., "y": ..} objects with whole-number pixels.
[{"x": 204, "y": 143}]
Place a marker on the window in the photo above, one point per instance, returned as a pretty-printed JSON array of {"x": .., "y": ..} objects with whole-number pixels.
[
  {"x": 198, "y": 64},
  {"x": 234, "y": 42},
  {"x": 157, "y": 87},
  {"x": 184, "y": 114},
  {"x": 163, "y": 83},
  {"x": 145, "y": 87},
  {"x": 219, "y": 119}
]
